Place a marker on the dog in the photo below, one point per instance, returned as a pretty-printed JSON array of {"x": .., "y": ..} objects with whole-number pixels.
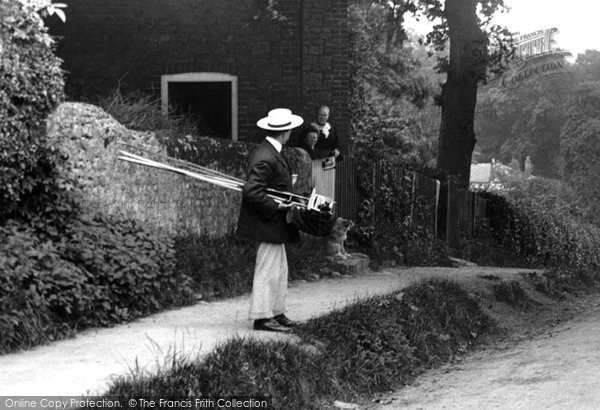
[{"x": 335, "y": 240}]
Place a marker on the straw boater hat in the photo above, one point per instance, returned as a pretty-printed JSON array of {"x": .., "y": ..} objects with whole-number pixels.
[{"x": 280, "y": 119}]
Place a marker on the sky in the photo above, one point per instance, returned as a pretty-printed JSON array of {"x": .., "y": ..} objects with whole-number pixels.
[{"x": 578, "y": 21}]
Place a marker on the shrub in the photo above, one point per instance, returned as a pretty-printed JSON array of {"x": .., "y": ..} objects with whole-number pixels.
[
  {"x": 546, "y": 237},
  {"x": 132, "y": 270},
  {"x": 224, "y": 267},
  {"x": 32, "y": 85},
  {"x": 90, "y": 271},
  {"x": 230, "y": 157},
  {"x": 219, "y": 267},
  {"x": 25, "y": 316},
  {"x": 391, "y": 228}
]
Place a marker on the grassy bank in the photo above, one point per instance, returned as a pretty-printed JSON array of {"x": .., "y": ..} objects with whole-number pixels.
[{"x": 367, "y": 347}]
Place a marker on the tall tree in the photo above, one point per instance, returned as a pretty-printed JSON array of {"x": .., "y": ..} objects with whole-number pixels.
[
  {"x": 525, "y": 121},
  {"x": 580, "y": 137},
  {"x": 466, "y": 67},
  {"x": 388, "y": 89},
  {"x": 464, "y": 25}
]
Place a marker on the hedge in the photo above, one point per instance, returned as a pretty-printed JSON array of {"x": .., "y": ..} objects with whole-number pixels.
[{"x": 32, "y": 85}]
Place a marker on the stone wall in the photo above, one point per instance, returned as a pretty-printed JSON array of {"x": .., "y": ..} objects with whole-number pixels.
[
  {"x": 300, "y": 64},
  {"x": 178, "y": 205}
]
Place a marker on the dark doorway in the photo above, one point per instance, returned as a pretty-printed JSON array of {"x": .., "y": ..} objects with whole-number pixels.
[{"x": 207, "y": 104}]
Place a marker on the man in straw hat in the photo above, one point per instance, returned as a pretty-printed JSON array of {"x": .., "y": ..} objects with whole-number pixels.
[{"x": 264, "y": 220}]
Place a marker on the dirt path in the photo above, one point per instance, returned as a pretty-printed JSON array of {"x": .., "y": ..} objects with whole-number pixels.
[
  {"x": 86, "y": 363},
  {"x": 558, "y": 369}
]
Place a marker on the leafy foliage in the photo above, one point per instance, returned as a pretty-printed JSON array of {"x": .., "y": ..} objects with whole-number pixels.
[
  {"x": 219, "y": 267},
  {"x": 525, "y": 121},
  {"x": 62, "y": 269},
  {"x": 89, "y": 271},
  {"x": 387, "y": 88},
  {"x": 544, "y": 237},
  {"x": 391, "y": 223},
  {"x": 224, "y": 267},
  {"x": 580, "y": 148},
  {"x": 32, "y": 85},
  {"x": 553, "y": 120}
]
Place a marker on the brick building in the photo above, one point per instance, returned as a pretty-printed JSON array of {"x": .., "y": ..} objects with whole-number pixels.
[{"x": 226, "y": 60}]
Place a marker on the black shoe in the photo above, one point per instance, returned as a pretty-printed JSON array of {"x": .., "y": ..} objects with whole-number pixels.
[
  {"x": 285, "y": 321},
  {"x": 270, "y": 325}
]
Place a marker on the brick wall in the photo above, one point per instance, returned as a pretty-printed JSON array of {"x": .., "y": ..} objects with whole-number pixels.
[
  {"x": 325, "y": 60},
  {"x": 300, "y": 64}
]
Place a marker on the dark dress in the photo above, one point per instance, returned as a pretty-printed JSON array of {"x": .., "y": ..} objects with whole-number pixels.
[
  {"x": 325, "y": 145},
  {"x": 260, "y": 219},
  {"x": 311, "y": 151}
]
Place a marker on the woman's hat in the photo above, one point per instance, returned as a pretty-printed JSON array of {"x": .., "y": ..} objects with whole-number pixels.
[{"x": 280, "y": 119}]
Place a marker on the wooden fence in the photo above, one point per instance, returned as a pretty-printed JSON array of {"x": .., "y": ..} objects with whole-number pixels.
[
  {"x": 425, "y": 201},
  {"x": 443, "y": 208},
  {"x": 465, "y": 211},
  {"x": 347, "y": 197}
]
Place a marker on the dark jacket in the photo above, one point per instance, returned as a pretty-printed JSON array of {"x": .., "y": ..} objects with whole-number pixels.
[
  {"x": 310, "y": 151},
  {"x": 260, "y": 219},
  {"x": 325, "y": 146}
]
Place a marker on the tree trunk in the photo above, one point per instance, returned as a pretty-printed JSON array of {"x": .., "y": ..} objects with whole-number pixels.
[{"x": 467, "y": 64}]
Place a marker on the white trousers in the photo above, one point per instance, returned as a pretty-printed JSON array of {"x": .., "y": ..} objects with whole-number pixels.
[{"x": 269, "y": 287}]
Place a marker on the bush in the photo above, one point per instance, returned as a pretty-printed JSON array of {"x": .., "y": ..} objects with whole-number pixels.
[
  {"x": 25, "y": 316},
  {"x": 390, "y": 229},
  {"x": 219, "y": 267},
  {"x": 32, "y": 85},
  {"x": 224, "y": 267},
  {"x": 90, "y": 271},
  {"x": 227, "y": 156},
  {"x": 546, "y": 238}
]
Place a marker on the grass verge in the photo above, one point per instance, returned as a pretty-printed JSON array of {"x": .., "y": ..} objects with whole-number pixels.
[{"x": 367, "y": 347}]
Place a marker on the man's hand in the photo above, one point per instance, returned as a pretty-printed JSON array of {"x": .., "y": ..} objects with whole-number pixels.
[{"x": 286, "y": 205}]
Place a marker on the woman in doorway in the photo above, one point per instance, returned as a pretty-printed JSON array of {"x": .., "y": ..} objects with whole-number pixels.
[
  {"x": 327, "y": 142},
  {"x": 326, "y": 153}
]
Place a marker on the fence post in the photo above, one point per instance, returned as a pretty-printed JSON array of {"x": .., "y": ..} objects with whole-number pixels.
[
  {"x": 455, "y": 214},
  {"x": 437, "y": 202}
]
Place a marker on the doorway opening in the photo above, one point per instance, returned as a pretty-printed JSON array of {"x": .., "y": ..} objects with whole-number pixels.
[{"x": 208, "y": 99}]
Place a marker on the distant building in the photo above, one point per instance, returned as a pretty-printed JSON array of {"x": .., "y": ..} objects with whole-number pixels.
[
  {"x": 481, "y": 176},
  {"x": 492, "y": 176}
]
